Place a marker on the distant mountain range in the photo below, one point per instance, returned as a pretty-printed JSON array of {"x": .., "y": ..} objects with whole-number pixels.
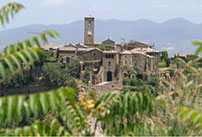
[{"x": 174, "y": 35}]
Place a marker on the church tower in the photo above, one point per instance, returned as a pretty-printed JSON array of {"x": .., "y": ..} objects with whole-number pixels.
[{"x": 89, "y": 30}]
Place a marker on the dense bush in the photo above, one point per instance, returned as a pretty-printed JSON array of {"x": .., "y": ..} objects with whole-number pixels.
[
  {"x": 191, "y": 58},
  {"x": 86, "y": 76},
  {"x": 141, "y": 85},
  {"x": 105, "y": 47},
  {"x": 74, "y": 69},
  {"x": 17, "y": 81},
  {"x": 54, "y": 74},
  {"x": 172, "y": 72},
  {"x": 165, "y": 60}
]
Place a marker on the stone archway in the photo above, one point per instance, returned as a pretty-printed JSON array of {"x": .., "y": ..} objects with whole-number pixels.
[{"x": 109, "y": 76}]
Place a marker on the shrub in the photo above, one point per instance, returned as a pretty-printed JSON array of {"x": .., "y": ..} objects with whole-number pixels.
[
  {"x": 105, "y": 47},
  {"x": 74, "y": 69},
  {"x": 54, "y": 75}
]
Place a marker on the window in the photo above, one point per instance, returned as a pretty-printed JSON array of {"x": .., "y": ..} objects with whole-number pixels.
[
  {"x": 94, "y": 54},
  {"x": 89, "y": 22},
  {"x": 112, "y": 55},
  {"x": 125, "y": 62},
  {"x": 109, "y": 63}
]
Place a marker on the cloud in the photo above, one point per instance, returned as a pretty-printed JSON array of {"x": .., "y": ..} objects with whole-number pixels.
[
  {"x": 167, "y": 48},
  {"x": 170, "y": 48},
  {"x": 54, "y": 3}
]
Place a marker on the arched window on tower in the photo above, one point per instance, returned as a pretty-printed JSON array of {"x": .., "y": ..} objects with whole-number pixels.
[
  {"x": 89, "y": 22},
  {"x": 109, "y": 63}
]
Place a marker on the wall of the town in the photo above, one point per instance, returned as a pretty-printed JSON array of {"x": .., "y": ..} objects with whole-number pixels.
[{"x": 126, "y": 59}]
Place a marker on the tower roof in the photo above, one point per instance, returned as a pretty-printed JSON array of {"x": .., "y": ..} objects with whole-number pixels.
[{"x": 89, "y": 16}]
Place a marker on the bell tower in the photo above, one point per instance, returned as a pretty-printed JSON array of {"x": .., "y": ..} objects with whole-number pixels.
[{"x": 89, "y": 30}]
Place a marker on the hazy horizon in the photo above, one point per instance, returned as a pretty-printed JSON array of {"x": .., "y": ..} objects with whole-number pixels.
[
  {"x": 58, "y": 12},
  {"x": 5, "y": 28}
]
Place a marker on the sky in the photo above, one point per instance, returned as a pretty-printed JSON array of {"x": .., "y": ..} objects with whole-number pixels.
[{"x": 66, "y": 11}]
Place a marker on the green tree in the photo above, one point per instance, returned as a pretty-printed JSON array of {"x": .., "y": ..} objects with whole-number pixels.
[
  {"x": 74, "y": 69},
  {"x": 106, "y": 47},
  {"x": 55, "y": 75},
  {"x": 166, "y": 58}
]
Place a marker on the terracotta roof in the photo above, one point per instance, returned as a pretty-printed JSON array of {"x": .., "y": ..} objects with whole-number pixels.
[
  {"x": 126, "y": 52},
  {"x": 85, "y": 49},
  {"x": 111, "y": 51},
  {"x": 89, "y": 16},
  {"x": 144, "y": 54},
  {"x": 67, "y": 48},
  {"x": 70, "y": 45},
  {"x": 84, "y": 46},
  {"x": 98, "y": 42},
  {"x": 144, "y": 50},
  {"x": 118, "y": 43},
  {"x": 48, "y": 46},
  {"x": 138, "y": 42}
]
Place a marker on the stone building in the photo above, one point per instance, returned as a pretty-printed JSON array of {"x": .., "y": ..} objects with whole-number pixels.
[
  {"x": 89, "y": 30},
  {"x": 103, "y": 64},
  {"x": 110, "y": 60}
]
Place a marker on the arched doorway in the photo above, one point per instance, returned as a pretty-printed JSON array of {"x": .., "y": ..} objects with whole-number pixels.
[{"x": 109, "y": 76}]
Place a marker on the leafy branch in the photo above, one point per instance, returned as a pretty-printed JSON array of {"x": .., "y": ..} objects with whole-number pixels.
[
  {"x": 9, "y": 10},
  {"x": 23, "y": 54}
]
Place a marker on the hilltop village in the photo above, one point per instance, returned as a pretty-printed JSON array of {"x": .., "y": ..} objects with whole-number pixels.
[{"x": 103, "y": 64}]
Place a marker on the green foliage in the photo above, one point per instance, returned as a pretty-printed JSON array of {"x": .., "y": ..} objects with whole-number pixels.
[
  {"x": 172, "y": 72},
  {"x": 74, "y": 69},
  {"x": 118, "y": 110},
  {"x": 58, "y": 54},
  {"x": 17, "y": 81},
  {"x": 137, "y": 85},
  {"x": 164, "y": 54},
  {"x": 86, "y": 76},
  {"x": 21, "y": 55},
  {"x": 162, "y": 64},
  {"x": 38, "y": 128},
  {"x": 105, "y": 47},
  {"x": 178, "y": 62},
  {"x": 26, "y": 109},
  {"x": 193, "y": 116},
  {"x": 55, "y": 75},
  {"x": 198, "y": 44},
  {"x": 165, "y": 60},
  {"x": 49, "y": 57},
  {"x": 9, "y": 10},
  {"x": 191, "y": 58}
]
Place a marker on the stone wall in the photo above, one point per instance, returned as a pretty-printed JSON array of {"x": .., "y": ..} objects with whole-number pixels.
[
  {"x": 142, "y": 62},
  {"x": 107, "y": 87},
  {"x": 109, "y": 65},
  {"x": 126, "y": 59},
  {"x": 91, "y": 55},
  {"x": 26, "y": 90}
]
